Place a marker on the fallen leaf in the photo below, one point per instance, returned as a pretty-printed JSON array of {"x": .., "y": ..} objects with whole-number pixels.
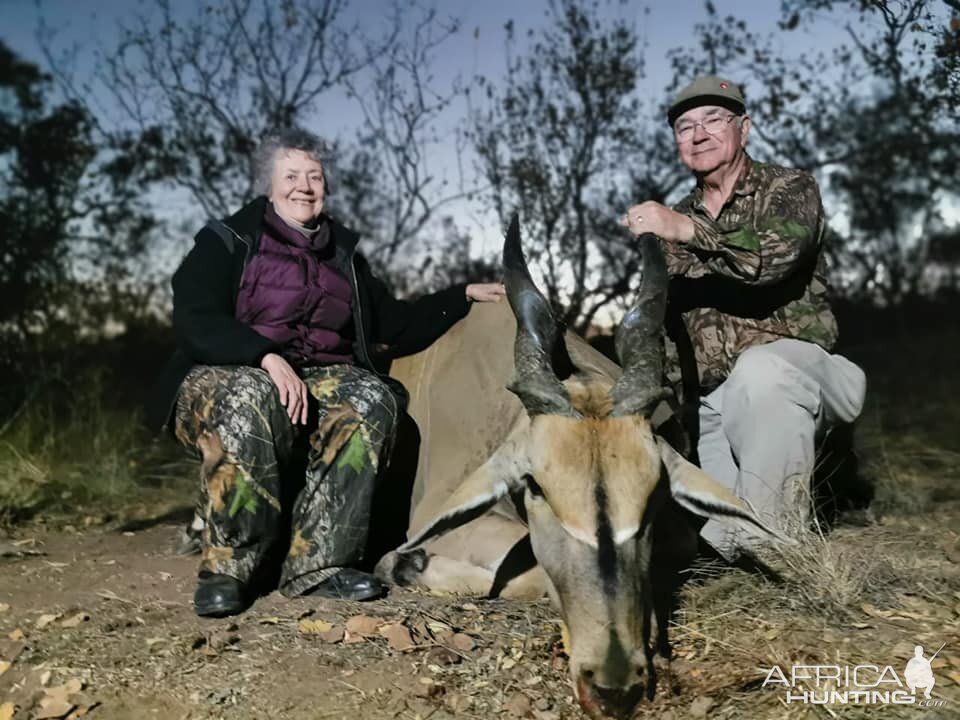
[
  {"x": 772, "y": 634},
  {"x": 363, "y": 625},
  {"x": 45, "y": 620},
  {"x": 314, "y": 627},
  {"x": 462, "y": 642},
  {"x": 4, "y": 607},
  {"x": 398, "y": 637},
  {"x": 4, "y": 666},
  {"x": 6, "y": 711},
  {"x": 16, "y": 635},
  {"x": 508, "y": 663},
  {"x": 439, "y": 630},
  {"x": 75, "y": 620}
]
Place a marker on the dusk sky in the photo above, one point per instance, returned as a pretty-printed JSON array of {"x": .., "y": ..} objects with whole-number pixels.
[{"x": 479, "y": 49}]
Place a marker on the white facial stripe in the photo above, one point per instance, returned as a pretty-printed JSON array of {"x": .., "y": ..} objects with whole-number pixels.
[{"x": 620, "y": 537}]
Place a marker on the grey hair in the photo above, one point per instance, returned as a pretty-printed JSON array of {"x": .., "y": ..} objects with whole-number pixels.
[{"x": 285, "y": 139}]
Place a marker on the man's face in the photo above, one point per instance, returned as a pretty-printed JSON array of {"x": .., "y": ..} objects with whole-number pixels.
[{"x": 710, "y": 137}]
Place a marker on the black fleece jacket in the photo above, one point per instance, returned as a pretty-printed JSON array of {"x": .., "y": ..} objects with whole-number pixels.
[{"x": 205, "y": 289}]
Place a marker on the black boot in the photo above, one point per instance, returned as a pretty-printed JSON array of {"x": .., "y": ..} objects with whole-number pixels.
[
  {"x": 219, "y": 596},
  {"x": 349, "y": 584}
]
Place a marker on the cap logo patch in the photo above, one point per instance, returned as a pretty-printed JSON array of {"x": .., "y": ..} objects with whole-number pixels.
[{"x": 723, "y": 86}]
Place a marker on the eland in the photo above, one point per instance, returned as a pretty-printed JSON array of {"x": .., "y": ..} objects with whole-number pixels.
[{"x": 557, "y": 483}]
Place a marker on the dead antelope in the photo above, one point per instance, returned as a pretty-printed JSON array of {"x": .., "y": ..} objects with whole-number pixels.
[{"x": 573, "y": 473}]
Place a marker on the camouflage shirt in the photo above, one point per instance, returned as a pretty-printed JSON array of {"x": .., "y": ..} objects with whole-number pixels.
[{"x": 754, "y": 274}]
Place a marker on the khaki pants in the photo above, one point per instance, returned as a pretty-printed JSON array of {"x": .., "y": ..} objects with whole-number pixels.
[{"x": 760, "y": 427}]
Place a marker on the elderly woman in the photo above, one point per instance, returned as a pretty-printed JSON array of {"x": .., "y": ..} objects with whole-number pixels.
[{"x": 276, "y": 315}]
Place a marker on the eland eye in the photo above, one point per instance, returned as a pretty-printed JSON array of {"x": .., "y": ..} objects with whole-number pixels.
[{"x": 532, "y": 486}]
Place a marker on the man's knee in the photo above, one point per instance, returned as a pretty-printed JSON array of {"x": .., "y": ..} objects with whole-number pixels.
[{"x": 761, "y": 380}]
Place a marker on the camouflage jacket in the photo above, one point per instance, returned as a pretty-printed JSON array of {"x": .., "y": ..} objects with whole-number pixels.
[{"x": 754, "y": 274}]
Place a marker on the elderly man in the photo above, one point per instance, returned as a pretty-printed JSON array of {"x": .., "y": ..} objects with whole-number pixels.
[{"x": 748, "y": 294}]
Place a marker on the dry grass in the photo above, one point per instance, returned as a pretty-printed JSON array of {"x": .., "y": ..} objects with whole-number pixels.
[{"x": 66, "y": 452}]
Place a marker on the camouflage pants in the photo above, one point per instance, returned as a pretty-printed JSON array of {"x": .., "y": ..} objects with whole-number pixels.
[{"x": 261, "y": 474}]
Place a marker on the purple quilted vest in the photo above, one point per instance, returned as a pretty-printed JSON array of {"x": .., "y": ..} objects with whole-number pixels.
[{"x": 293, "y": 293}]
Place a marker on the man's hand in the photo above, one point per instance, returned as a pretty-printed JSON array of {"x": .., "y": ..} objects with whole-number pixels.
[
  {"x": 486, "y": 292},
  {"x": 660, "y": 220},
  {"x": 293, "y": 391}
]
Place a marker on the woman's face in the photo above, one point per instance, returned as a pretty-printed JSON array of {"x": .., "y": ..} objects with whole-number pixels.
[{"x": 296, "y": 186}]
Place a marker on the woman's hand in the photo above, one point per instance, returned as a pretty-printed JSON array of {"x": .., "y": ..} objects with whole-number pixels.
[
  {"x": 293, "y": 391},
  {"x": 486, "y": 292}
]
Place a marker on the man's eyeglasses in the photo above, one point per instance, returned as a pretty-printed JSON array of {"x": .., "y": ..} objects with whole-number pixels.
[{"x": 711, "y": 125}]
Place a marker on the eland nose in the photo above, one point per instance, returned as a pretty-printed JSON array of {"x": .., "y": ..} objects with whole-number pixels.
[{"x": 603, "y": 700}]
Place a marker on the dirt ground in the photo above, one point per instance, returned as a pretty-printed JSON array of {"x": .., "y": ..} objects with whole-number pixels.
[
  {"x": 96, "y": 617},
  {"x": 99, "y": 621}
]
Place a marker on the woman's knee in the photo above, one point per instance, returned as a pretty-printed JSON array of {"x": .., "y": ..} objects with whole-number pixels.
[
  {"x": 372, "y": 397},
  {"x": 236, "y": 400}
]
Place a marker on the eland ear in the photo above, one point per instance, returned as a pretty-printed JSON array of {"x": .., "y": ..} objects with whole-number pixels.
[
  {"x": 699, "y": 493},
  {"x": 479, "y": 491}
]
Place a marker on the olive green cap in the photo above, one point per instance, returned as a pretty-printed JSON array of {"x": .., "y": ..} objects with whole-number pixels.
[{"x": 707, "y": 90}]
